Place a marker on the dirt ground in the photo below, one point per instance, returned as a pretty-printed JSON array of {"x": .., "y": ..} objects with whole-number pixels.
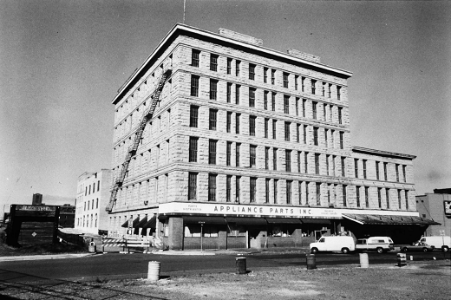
[{"x": 431, "y": 280}]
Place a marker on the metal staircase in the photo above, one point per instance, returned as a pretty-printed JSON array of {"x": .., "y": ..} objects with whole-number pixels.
[{"x": 147, "y": 116}]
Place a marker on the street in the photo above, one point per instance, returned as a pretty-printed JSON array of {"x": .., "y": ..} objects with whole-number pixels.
[{"x": 116, "y": 266}]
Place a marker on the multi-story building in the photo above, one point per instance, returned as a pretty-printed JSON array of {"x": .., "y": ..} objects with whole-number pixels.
[
  {"x": 436, "y": 206},
  {"x": 247, "y": 147},
  {"x": 93, "y": 192}
]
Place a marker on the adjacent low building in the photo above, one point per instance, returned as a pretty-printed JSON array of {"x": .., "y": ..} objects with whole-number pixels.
[
  {"x": 93, "y": 192},
  {"x": 248, "y": 147},
  {"x": 436, "y": 206}
]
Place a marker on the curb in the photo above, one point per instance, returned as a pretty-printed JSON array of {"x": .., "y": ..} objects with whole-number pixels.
[{"x": 43, "y": 257}]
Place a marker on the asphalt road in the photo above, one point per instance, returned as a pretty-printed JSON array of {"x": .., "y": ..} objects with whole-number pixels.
[{"x": 115, "y": 265}]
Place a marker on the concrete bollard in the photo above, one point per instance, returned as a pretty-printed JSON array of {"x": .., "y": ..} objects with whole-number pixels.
[
  {"x": 411, "y": 257},
  {"x": 364, "y": 263},
  {"x": 153, "y": 273},
  {"x": 401, "y": 259},
  {"x": 92, "y": 247},
  {"x": 311, "y": 261},
  {"x": 241, "y": 265}
]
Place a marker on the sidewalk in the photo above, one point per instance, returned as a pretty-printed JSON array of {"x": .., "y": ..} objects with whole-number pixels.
[{"x": 42, "y": 257}]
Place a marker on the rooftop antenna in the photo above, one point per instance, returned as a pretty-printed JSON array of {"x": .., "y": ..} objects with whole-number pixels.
[{"x": 184, "y": 10}]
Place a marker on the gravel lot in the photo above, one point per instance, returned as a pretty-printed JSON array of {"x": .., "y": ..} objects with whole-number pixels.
[{"x": 419, "y": 280}]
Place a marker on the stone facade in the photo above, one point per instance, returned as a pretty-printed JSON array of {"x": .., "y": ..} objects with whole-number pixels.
[{"x": 271, "y": 129}]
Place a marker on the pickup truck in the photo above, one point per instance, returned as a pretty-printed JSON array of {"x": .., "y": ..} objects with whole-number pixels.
[{"x": 415, "y": 247}]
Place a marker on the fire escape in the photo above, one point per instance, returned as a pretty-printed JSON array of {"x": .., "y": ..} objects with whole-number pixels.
[{"x": 147, "y": 116}]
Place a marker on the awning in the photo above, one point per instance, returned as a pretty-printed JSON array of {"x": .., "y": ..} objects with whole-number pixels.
[
  {"x": 135, "y": 222},
  {"x": 142, "y": 222},
  {"x": 283, "y": 221},
  {"x": 246, "y": 221},
  {"x": 151, "y": 223},
  {"x": 204, "y": 219},
  {"x": 389, "y": 220},
  {"x": 315, "y": 221}
]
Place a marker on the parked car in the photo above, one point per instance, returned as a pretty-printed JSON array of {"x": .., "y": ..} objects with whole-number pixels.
[
  {"x": 437, "y": 241},
  {"x": 343, "y": 244},
  {"x": 416, "y": 247},
  {"x": 379, "y": 243}
]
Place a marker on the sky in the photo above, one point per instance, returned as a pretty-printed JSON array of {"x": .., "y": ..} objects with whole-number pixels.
[{"x": 62, "y": 62}]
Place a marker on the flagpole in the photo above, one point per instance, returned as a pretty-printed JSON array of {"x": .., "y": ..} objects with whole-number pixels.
[{"x": 184, "y": 10}]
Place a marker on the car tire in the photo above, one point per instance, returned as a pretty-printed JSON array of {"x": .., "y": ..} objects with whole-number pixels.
[
  {"x": 425, "y": 250},
  {"x": 314, "y": 250},
  {"x": 380, "y": 250},
  {"x": 404, "y": 249},
  {"x": 445, "y": 249},
  {"x": 345, "y": 250}
]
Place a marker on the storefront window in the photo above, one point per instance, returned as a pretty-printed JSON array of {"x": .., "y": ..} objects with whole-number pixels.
[
  {"x": 194, "y": 230},
  {"x": 281, "y": 230}
]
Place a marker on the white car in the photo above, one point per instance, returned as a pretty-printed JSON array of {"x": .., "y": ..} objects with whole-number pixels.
[
  {"x": 379, "y": 243},
  {"x": 343, "y": 244},
  {"x": 437, "y": 242}
]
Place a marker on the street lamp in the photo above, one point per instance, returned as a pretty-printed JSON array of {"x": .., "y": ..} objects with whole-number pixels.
[{"x": 201, "y": 234}]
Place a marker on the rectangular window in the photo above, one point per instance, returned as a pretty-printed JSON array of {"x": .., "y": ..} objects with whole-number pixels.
[
  {"x": 98, "y": 184},
  {"x": 251, "y": 71},
  {"x": 266, "y": 158},
  {"x": 229, "y": 188},
  {"x": 252, "y": 97},
  {"x": 274, "y": 158},
  {"x": 313, "y": 87},
  {"x": 296, "y": 82},
  {"x": 229, "y": 122},
  {"x": 397, "y": 172},
  {"x": 357, "y": 195},
  {"x": 297, "y": 106},
  {"x": 252, "y": 156},
  {"x": 288, "y": 160},
  {"x": 213, "y": 119},
  {"x": 407, "y": 199},
  {"x": 265, "y": 75},
  {"x": 315, "y": 136},
  {"x": 266, "y": 127},
  {"x": 338, "y": 92},
  {"x": 229, "y": 92},
  {"x": 287, "y": 131},
  {"x": 304, "y": 132},
  {"x": 193, "y": 116},
  {"x": 399, "y": 199},
  {"x": 317, "y": 157},
  {"x": 329, "y": 91},
  {"x": 229, "y": 66},
  {"x": 377, "y": 170},
  {"x": 285, "y": 80},
  {"x": 213, "y": 89},
  {"x": 237, "y": 67},
  {"x": 212, "y": 187},
  {"x": 326, "y": 133},
  {"x": 237, "y": 154},
  {"x": 303, "y": 84},
  {"x": 342, "y": 140},
  {"x": 288, "y": 191},
  {"x": 93, "y": 187},
  {"x": 267, "y": 182},
  {"x": 367, "y": 197},
  {"x": 265, "y": 100},
  {"x": 387, "y": 197},
  {"x": 305, "y": 162},
  {"x": 299, "y": 161},
  {"x": 356, "y": 168},
  {"x": 314, "y": 110},
  {"x": 343, "y": 166},
  {"x": 195, "y": 54},
  {"x": 253, "y": 189},
  {"x": 286, "y": 104},
  {"x": 298, "y": 133},
  {"x": 323, "y": 89},
  {"x": 237, "y": 94},
  {"x": 212, "y": 152},
  {"x": 385, "y": 171},
  {"x": 238, "y": 188},
  {"x": 327, "y": 165},
  {"x": 229, "y": 153},
  {"x": 345, "y": 202},
  {"x": 304, "y": 104},
  {"x": 403, "y": 174},
  {"x": 379, "y": 197},
  {"x": 252, "y": 120},
  {"x": 275, "y": 190},
  {"x": 318, "y": 193},
  {"x": 194, "y": 86},
  {"x": 213, "y": 62},
  {"x": 340, "y": 115},
  {"x": 192, "y": 186},
  {"x": 237, "y": 123},
  {"x": 364, "y": 168},
  {"x": 274, "y": 129},
  {"x": 273, "y": 76},
  {"x": 273, "y": 101},
  {"x": 193, "y": 141}
]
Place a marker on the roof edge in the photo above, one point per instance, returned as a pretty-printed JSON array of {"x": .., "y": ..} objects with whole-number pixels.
[{"x": 382, "y": 152}]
